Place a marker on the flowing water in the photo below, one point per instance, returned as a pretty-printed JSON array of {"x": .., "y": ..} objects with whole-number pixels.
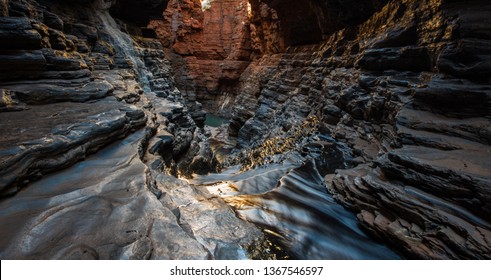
[
  {"x": 123, "y": 43},
  {"x": 290, "y": 201}
]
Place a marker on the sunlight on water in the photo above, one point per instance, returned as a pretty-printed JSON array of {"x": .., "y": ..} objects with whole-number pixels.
[{"x": 292, "y": 202}]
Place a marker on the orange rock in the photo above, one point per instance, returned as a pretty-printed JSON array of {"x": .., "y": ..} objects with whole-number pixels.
[{"x": 212, "y": 46}]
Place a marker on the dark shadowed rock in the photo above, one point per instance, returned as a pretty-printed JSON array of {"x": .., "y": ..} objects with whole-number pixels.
[
  {"x": 406, "y": 58},
  {"x": 52, "y": 20},
  {"x": 18, "y": 33},
  {"x": 455, "y": 97},
  {"x": 16, "y": 61},
  {"x": 398, "y": 90},
  {"x": 98, "y": 194},
  {"x": 9, "y": 102},
  {"x": 469, "y": 58}
]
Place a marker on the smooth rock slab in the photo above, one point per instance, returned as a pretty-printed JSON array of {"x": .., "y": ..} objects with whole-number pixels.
[
  {"x": 100, "y": 208},
  {"x": 47, "y": 138},
  {"x": 51, "y": 92},
  {"x": 207, "y": 218}
]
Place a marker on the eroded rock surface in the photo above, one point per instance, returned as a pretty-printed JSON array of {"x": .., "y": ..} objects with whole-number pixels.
[
  {"x": 395, "y": 95},
  {"x": 208, "y": 46},
  {"x": 396, "y": 89},
  {"x": 73, "y": 84}
]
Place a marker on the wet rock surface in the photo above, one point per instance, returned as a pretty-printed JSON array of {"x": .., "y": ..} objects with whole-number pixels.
[
  {"x": 394, "y": 90},
  {"x": 384, "y": 110},
  {"x": 46, "y": 138},
  {"x": 99, "y": 216},
  {"x": 68, "y": 98}
]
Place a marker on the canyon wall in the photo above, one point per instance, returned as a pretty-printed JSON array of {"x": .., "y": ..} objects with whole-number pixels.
[
  {"x": 76, "y": 90},
  {"x": 51, "y": 53},
  {"x": 408, "y": 90},
  {"x": 208, "y": 46},
  {"x": 403, "y": 83},
  {"x": 403, "y": 86}
]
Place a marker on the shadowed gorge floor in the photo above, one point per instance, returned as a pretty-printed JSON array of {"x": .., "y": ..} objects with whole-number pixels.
[{"x": 244, "y": 129}]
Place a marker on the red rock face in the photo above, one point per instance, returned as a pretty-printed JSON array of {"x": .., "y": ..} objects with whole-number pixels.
[
  {"x": 210, "y": 48},
  {"x": 265, "y": 29}
]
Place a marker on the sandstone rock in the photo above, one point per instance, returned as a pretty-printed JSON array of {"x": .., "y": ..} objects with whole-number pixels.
[
  {"x": 52, "y": 20},
  {"x": 103, "y": 47},
  {"x": 151, "y": 231},
  {"x": 56, "y": 62},
  {"x": 9, "y": 102},
  {"x": 378, "y": 196},
  {"x": 455, "y": 97},
  {"x": 468, "y": 58},
  {"x": 13, "y": 62},
  {"x": 212, "y": 48},
  {"x": 24, "y": 9},
  {"x": 416, "y": 133},
  {"x": 401, "y": 86},
  {"x": 207, "y": 218},
  {"x": 199, "y": 158},
  {"x": 83, "y": 31},
  {"x": 57, "y": 40},
  {"x": 55, "y": 134}
]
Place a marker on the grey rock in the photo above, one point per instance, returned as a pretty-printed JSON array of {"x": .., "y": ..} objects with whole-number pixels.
[
  {"x": 116, "y": 215},
  {"x": 52, "y": 20},
  {"x": 21, "y": 64},
  {"x": 52, "y": 92},
  {"x": 18, "y": 33},
  {"x": 50, "y": 137},
  {"x": 406, "y": 58},
  {"x": 9, "y": 102},
  {"x": 4, "y": 8},
  {"x": 470, "y": 59}
]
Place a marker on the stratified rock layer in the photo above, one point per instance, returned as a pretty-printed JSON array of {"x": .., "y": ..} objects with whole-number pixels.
[
  {"x": 209, "y": 47},
  {"x": 72, "y": 85},
  {"x": 403, "y": 86},
  {"x": 409, "y": 92}
]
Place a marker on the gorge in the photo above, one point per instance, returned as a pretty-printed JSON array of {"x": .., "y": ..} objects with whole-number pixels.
[{"x": 245, "y": 129}]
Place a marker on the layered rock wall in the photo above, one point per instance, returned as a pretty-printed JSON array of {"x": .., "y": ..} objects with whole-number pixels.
[
  {"x": 403, "y": 85},
  {"x": 76, "y": 86},
  {"x": 405, "y": 90},
  {"x": 210, "y": 47}
]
